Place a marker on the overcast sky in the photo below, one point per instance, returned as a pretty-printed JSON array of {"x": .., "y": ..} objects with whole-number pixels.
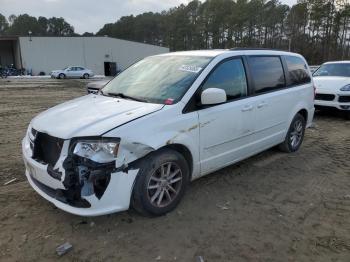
[{"x": 89, "y": 15}]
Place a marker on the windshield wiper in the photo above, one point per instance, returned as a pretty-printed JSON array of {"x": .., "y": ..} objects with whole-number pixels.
[{"x": 121, "y": 95}]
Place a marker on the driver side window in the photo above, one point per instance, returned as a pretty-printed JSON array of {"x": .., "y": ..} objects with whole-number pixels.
[{"x": 229, "y": 76}]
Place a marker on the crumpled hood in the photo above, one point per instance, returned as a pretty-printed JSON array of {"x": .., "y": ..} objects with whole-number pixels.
[
  {"x": 330, "y": 83},
  {"x": 90, "y": 115}
]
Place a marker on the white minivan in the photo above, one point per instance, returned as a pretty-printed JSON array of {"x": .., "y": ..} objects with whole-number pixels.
[{"x": 164, "y": 121}]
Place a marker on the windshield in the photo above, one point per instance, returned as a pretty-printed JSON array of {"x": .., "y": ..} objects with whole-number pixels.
[
  {"x": 158, "y": 79},
  {"x": 333, "y": 70}
]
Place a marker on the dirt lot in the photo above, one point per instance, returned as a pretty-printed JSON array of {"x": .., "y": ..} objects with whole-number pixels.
[{"x": 271, "y": 207}]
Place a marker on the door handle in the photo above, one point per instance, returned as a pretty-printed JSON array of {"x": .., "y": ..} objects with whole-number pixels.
[
  {"x": 247, "y": 108},
  {"x": 262, "y": 104}
]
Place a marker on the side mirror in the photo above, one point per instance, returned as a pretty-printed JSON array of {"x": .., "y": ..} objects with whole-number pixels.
[{"x": 213, "y": 96}]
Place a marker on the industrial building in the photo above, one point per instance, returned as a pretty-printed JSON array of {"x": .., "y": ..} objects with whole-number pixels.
[{"x": 103, "y": 55}]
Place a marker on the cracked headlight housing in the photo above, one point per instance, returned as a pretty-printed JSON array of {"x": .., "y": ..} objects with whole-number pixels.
[
  {"x": 99, "y": 150},
  {"x": 345, "y": 88}
]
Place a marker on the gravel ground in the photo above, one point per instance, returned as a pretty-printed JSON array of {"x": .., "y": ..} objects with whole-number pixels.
[{"x": 270, "y": 207}]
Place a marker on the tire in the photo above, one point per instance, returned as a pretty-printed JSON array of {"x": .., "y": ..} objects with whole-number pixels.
[
  {"x": 86, "y": 76},
  {"x": 295, "y": 135},
  {"x": 61, "y": 76},
  {"x": 152, "y": 195}
]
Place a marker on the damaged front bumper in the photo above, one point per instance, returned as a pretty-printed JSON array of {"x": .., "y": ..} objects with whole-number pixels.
[{"x": 62, "y": 192}]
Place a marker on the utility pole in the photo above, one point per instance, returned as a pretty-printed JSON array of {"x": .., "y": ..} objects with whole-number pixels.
[{"x": 290, "y": 44}]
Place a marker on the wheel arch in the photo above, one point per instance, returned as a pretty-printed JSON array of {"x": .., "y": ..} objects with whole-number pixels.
[
  {"x": 304, "y": 113},
  {"x": 184, "y": 151}
]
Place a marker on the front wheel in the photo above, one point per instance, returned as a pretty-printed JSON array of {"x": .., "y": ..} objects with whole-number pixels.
[
  {"x": 295, "y": 135},
  {"x": 61, "y": 76},
  {"x": 86, "y": 76},
  {"x": 161, "y": 182}
]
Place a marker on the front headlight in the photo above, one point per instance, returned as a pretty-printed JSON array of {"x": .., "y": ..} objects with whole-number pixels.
[
  {"x": 100, "y": 151},
  {"x": 345, "y": 88}
]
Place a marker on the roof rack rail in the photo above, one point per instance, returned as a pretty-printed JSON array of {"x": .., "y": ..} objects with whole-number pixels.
[{"x": 249, "y": 48}]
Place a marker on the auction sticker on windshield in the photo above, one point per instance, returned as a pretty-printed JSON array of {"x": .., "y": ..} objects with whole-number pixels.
[{"x": 189, "y": 68}]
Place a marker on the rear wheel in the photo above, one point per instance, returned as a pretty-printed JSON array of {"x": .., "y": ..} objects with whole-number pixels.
[
  {"x": 61, "y": 76},
  {"x": 295, "y": 135},
  {"x": 161, "y": 183}
]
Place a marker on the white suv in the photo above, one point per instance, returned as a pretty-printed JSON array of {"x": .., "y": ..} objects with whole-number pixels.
[
  {"x": 163, "y": 122},
  {"x": 332, "y": 82}
]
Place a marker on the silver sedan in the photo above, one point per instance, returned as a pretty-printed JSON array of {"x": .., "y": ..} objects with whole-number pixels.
[{"x": 72, "y": 72}]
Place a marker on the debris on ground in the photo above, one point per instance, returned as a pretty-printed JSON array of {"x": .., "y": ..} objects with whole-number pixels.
[
  {"x": 64, "y": 248},
  {"x": 313, "y": 126},
  {"x": 10, "y": 181},
  {"x": 224, "y": 206},
  {"x": 199, "y": 259}
]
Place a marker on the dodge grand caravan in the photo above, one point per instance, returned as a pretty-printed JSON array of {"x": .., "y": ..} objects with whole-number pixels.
[{"x": 164, "y": 121}]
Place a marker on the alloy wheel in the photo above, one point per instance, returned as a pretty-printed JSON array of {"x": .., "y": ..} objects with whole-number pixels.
[
  {"x": 164, "y": 184},
  {"x": 296, "y": 134}
]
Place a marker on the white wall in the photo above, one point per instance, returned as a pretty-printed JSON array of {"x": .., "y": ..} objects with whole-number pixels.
[{"x": 50, "y": 53}]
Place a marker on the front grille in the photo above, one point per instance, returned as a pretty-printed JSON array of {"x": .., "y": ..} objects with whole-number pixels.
[
  {"x": 325, "y": 97},
  {"x": 344, "y": 99},
  {"x": 46, "y": 148}
]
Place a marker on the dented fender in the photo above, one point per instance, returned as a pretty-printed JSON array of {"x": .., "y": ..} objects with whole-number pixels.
[
  {"x": 130, "y": 151},
  {"x": 136, "y": 143}
]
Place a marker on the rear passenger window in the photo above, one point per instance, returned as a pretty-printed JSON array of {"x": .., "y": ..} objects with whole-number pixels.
[
  {"x": 297, "y": 71},
  {"x": 267, "y": 73},
  {"x": 229, "y": 76}
]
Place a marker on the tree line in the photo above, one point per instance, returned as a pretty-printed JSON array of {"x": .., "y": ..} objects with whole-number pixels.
[
  {"x": 41, "y": 26},
  {"x": 318, "y": 29}
]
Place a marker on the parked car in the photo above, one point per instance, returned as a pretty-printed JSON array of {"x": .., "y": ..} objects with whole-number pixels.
[
  {"x": 163, "y": 122},
  {"x": 72, "y": 72},
  {"x": 332, "y": 81},
  {"x": 95, "y": 86}
]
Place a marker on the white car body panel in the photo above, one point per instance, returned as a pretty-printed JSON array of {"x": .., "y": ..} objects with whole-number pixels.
[
  {"x": 90, "y": 115},
  {"x": 215, "y": 137},
  {"x": 221, "y": 146}
]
